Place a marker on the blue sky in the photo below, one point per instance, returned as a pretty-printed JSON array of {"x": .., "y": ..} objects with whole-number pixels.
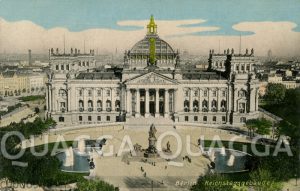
[{"x": 79, "y": 15}]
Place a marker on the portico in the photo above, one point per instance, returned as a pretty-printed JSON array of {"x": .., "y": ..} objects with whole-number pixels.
[
  {"x": 151, "y": 94},
  {"x": 145, "y": 102}
]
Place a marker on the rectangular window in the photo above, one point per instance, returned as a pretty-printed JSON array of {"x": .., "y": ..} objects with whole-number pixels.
[
  {"x": 99, "y": 92},
  {"x": 205, "y": 118},
  {"x": 195, "y": 93},
  {"x": 61, "y": 119},
  {"x": 89, "y": 118},
  {"x": 205, "y": 93},
  {"x": 237, "y": 68},
  {"x": 57, "y": 67},
  {"x": 80, "y": 93},
  {"x": 107, "y": 118},
  {"x": 195, "y": 118},
  {"x": 90, "y": 92},
  {"x": 98, "y": 118},
  {"x": 186, "y": 93},
  {"x": 223, "y": 93},
  {"x": 62, "y": 67},
  {"x": 107, "y": 92},
  {"x": 248, "y": 68},
  {"x": 223, "y": 118},
  {"x": 243, "y": 68},
  {"x": 80, "y": 118},
  {"x": 214, "y": 93},
  {"x": 186, "y": 118},
  {"x": 214, "y": 118}
]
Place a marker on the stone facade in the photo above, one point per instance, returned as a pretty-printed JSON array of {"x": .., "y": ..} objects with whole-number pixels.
[{"x": 152, "y": 83}]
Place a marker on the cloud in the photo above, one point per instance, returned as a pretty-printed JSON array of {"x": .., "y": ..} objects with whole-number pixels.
[{"x": 181, "y": 34}]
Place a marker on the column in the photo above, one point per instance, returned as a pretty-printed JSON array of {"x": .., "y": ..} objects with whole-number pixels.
[
  {"x": 156, "y": 102},
  {"x": 229, "y": 98},
  {"x": 166, "y": 103},
  {"x": 174, "y": 100},
  {"x": 68, "y": 99},
  {"x": 54, "y": 100},
  {"x": 138, "y": 103},
  {"x": 94, "y": 99},
  {"x": 235, "y": 95},
  {"x": 112, "y": 98},
  {"x": 147, "y": 102},
  {"x": 103, "y": 100},
  {"x": 179, "y": 99},
  {"x": 190, "y": 101},
  {"x": 50, "y": 99},
  {"x": 199, "y": 100},
  {"x": 128, "y": 103},
  {"x": 256, "y": 99},
  {"x": 47, "y": 98},
  {"x": 208, "y": 100},
  {"x": 218, "y": 99}
]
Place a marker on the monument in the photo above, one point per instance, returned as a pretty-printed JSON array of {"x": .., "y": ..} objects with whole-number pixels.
[{"x": 151, "y": 151}]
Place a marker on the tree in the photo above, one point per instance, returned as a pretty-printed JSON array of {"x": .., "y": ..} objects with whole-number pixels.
[
  {"x": 94, "y": 185},
  {"x": 261, "y": 126},
  {"x": 275, "y": 93},
  {"x": 290, "y": 130},
  {"x": 264, "y": 181}
]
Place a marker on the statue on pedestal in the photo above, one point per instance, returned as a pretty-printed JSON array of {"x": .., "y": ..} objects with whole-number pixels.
[{"x": 151, "y": 150}]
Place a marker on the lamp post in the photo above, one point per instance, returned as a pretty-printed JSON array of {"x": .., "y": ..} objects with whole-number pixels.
[{"x": 296, "y": 178}]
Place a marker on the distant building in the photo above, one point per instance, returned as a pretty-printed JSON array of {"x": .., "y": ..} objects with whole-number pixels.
[
  {"x": 278, "y": 79},
  {"x": 14, "y": 83}
]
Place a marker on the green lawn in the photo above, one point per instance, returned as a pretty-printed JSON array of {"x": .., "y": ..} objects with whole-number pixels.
[{"x": 32, "y": 98}]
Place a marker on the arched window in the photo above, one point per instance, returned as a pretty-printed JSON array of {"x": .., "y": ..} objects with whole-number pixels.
[
  {"x": 242, "y": 107},
  {"x": 214, "y": 105},
  {"x": 108, "y": 105},
  {"x": 90, "y": 105},
  {"x": 195, "y": 106},
  {"x": 204, "y": 106},
  {"x": 223, "y": 105},
  {"x": 117, "y": 105},
  {"x": 99, "y": 105},
  {"x": 186, "y": 105},
  {"x": 81, "y": 105}
]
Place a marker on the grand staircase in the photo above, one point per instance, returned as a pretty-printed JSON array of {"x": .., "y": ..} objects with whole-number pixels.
[{"x": 142, "y": 122}]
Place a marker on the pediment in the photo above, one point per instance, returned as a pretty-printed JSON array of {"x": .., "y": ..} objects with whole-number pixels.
[{"x": 152, "y": 78}]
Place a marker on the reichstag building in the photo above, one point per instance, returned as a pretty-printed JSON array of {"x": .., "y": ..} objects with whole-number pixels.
[{"x": 152, "y": 83}]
